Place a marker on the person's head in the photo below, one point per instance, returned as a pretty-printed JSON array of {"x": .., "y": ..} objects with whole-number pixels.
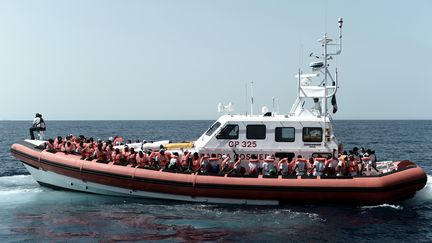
[
  {"x": 38, "y": 115},
  {"x": 213, "y": 155},
  {"x": 110, "y": 146},
  {"x": 68, "y": 143},
  {"x": 81, "y": 143},
  {"x": 315, "y": 100},
  {"x": 162, "y": 151},
  {"x": 140, "y": 153},
  {"x": 59, "y": 138},
  {"x": 355, "y": 150},
  {"x": 51, "y": 141},
  {"x": 299, "y": 156},
  {"x": 129, "y": 141},
  {"x": 117, "y": 150},
  {"x": 126, "y": 148},
  {"x": 132, "y": 150},
  {"x": 311, "y": 160},
  {"x": 195, "y": 155},
  {"x": 99, "y": 146},
  {"x": 253, "y": 156}
]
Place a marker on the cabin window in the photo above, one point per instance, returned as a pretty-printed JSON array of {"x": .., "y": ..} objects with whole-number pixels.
[
  {"x": 230, "y": 131},
  {"x": 213, "y": 128},
  {"x": 323, "y": 155},
  {"x": 285, "y": 134},
  {"x": 312, "y": 134},
  {"x": 282, "y": 155},
  {"x": 255, "y": 131}
]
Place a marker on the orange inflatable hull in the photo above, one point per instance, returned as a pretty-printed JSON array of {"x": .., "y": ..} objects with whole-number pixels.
[{"x": 386, "y": 188}]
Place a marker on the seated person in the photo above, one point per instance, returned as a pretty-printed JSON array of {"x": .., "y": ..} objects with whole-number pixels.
[
  {"x": 131, "y": 159},
  {"x": 268, "y": 166},
  {"x": 213, "y": 165},
  {"x": 116, "y": 156},
  {"x": 253, "y": 165},
  {"x": 283, "y": 166},
  {"x": 69, "y": 148},
  {"x": 49, "y": 146},
  {"x": 300, "y": 166},
  {"x": 196, "y": 162},
  {"x": 141, "y": 159},
  {"x": 318, "y": 167}
]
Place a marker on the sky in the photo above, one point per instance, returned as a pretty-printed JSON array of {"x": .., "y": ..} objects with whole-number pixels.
[{"x": 176, "y": 60}]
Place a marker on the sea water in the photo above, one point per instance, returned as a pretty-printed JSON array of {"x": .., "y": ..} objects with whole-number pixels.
[{"x": 29, "y": 212}]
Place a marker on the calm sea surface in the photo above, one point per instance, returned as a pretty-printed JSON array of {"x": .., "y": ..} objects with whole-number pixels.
[{"x": 31, "y": 213}]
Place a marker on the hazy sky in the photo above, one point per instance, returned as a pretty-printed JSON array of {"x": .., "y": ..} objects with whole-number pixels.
[{"x": 178, "y": 59}]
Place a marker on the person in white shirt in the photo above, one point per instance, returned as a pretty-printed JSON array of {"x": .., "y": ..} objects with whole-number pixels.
[{"x": 38, "y": 125}]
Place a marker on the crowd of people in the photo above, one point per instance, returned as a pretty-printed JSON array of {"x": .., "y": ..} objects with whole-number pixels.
[{"x": 352, "y": 163}]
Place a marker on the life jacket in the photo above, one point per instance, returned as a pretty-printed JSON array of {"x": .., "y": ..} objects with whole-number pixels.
[
  {"x": 58, "y": 145},
  {"x": 283, "y": 166},
  {"x": 196, "y": 163},
  {"x": 319, "y": 166},
  {"x": 301, "y": 165},
  {"x": 131, "y": 158},
  {"x": 163, "y": 159},
  {"x": 118, "y": 139},
  {"x": 108, "y": 153},
  {"x": 353, "y": 166},
  {"x": 100, "y": 155},
  {"x": 49, "y": 146},
  {"x": 141, "y": 161},
  {"x": 89, "y": 151},
  {"x": 69, "y": 148}
]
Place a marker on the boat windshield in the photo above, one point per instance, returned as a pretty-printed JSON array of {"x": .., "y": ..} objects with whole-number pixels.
[{"x": 213, "y": 128}]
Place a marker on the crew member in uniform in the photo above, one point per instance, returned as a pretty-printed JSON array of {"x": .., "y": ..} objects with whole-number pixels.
[{"x": 38, "y": 125}]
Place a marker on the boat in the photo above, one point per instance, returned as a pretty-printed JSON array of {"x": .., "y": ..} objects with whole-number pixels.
[{"x": 305, "y": 131}]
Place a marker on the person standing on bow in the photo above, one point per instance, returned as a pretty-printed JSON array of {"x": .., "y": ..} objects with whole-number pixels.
[{"x": 38, "y": 125}]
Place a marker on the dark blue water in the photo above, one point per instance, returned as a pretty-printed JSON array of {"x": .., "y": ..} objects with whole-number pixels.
[{"x": 29, "y": 212}]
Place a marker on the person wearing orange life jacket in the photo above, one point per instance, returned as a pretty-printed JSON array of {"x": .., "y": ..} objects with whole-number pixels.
[
  {"x": 49, "y": 146},
  {"x": 69, "y": 148},
  {"x": 99, "y": 154},
  {"x": 118, "y": 140},
  {"x": 253, "y": 165},
  {"x": 342, "y": 169},
  {"x": 141, "y": 159},
  {"x": 58, "y": 143},
  {"x": 90, "y": 151},
  {"x": 283, "y": 166},
  {"x": 331, "y": 164},
  {"x": 353, "y": 166},
  {"x": 132, "y": 157},
  {"x": 318, "y": 166},
  {"x": 116, "y": 157},
  {"x": 163, "y": 158},
  {"x": 108, "y": 151},
  {"x": 196, "y": 162},
  {"x": 300, "y": 166}
]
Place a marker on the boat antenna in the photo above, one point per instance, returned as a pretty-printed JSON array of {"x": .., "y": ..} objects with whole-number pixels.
[
  {"x": 246, "y": 96},
  {"x": 252, "y": 99}
]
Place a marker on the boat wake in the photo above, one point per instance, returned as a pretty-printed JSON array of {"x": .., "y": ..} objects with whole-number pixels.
[
  {"x": 16, "y": 186},
  {"x": 426, "y": 193}
]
